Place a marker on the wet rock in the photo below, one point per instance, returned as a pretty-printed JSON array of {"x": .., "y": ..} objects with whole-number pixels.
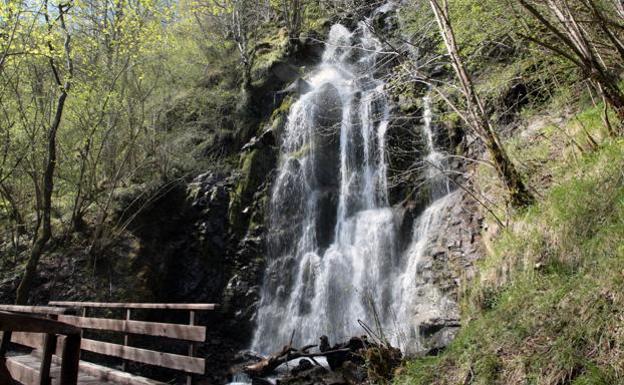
[
  {"x": 297, "y": 88},
  {"x": 260, "y": 381},
  {"x": 328, "y": 101},
  {"x": 327, "y": 136},
  {"x": 385, "y": 19},
  {"x": 327, "y": 208},
  {"x": 313, "y": 376},
  {"x": 265, "y": 139},
  {"x": 255, "y": 165},
  {"x": 434, "y": 326},
  {"x": 302, "y": 366}
]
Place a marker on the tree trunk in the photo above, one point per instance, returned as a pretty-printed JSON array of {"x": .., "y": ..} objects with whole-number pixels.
[
  {"x": 613, "y": 96},
  {"x": 520, "y": 195},
  {"x": 246, "y": 77},
  {"x": 42, "y": 237},
  {"x": 77, "y": 222},
  {"x": 45, "y": 234},
  {"x": 518, "y": 192}
]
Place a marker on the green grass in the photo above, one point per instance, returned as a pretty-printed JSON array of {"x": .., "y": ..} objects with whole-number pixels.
[{"x": 548, "y": 304}]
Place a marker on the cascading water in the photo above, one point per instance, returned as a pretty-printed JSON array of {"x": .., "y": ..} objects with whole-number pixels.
[
  {"x": 333, "y": 245},
  {"x": 435, "y": 161},
  {"x": 417, "y": 300}
]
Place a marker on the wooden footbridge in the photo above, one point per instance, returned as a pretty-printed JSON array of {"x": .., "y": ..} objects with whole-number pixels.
[{"x": 42, "y": 345}]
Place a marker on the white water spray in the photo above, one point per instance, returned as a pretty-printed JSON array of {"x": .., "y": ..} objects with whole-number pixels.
[{"x": 333, "y": 237}]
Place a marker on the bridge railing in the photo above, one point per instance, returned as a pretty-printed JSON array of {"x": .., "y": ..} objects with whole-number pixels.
[
  {"x": 22, "y": 323},
  {"x": 189, "y": 333}
]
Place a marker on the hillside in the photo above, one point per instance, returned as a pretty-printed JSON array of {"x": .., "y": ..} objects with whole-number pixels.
[{"x": 544, "y": 306}]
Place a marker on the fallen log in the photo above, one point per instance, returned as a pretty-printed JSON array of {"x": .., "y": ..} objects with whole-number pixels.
[{"x": 267, "y": 365}]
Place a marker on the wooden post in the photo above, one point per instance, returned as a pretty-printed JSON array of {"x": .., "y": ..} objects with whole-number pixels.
[
  {"x": 5, "y": 376},
  {"x": 84, "y": 315},
  {"x": 191, "y": 349},
  {"x": 49, "y": 347},
  {"x": 71, "y": 360},
  {"x": 126, "y": 338},
  {"x": 6, "y": 341}
]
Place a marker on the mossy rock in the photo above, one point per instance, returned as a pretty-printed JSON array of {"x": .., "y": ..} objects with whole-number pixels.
[{"x": 255, "y": 166}]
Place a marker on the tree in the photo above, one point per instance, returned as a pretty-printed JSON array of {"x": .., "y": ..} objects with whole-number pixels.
[
  {"x": 292, "y": 13},
  {"x": 72, "y": 136},
  {"x": 238, "y": 21},
  {"x": 578, "y": 32},
  {"x": 64, "y": 85},
  {"x": 476, "y": 116}
]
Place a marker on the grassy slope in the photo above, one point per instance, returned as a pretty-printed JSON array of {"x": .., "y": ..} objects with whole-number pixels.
[{"x": 548, "y": 306}]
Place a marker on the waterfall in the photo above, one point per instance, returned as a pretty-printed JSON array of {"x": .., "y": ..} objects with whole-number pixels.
[
  {"x": 417, "y": 300},
  {"x": 435, "y": 161},
  {"x": 334, "y": 257}
]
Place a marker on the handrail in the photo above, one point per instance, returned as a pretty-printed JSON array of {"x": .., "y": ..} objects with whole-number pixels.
[
  {"x": 30, "y": 324},
  {"x": 12, "y": 322},
  {"x": 57, "y": 310},
  {"x": 121, "y": 305},
  {"x": 47, "y": 310},
  {"x": 191, "y": 308}
]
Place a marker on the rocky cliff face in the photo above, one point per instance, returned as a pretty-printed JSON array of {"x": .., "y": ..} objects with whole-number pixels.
[
  {"x": 220, "y": 253},
  {"x": 449, "y": 257},
  {"x": 204, "y": 240}
]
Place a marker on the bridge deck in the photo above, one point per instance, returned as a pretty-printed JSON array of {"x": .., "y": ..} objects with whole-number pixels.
[{"x": 25, "y": 369}]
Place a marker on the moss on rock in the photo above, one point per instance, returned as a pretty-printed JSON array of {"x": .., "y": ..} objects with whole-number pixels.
[{"x": 255, "y": 166}]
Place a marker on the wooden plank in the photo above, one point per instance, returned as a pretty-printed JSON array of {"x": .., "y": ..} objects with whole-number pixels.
[
  {"x": 113, "y": 305},
  {"x": 36, "y": 341},
  {"x": 105, "y": 375},
  {"x": 32, "y": 340},
  {"x": 5, "y": 375},
  {"x": 26, "y": 323},
  {"x": 60, "y": 345},
  {"x": 34, "y": 309},
  {"x": 151, "y": 357},
  {"x": 126, "y": 338},
  {"x": 24, "y": 369},
  {"x": 119, "y": 378},
  {"x": 175, "y": 331},
  {"x": 191, "y": 348},
  {"x": 88, "y": 380}
]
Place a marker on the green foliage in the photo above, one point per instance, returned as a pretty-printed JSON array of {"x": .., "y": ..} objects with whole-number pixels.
[
  {"x": 481, "y": 23},
  {"x": 154, "y": 97},
  {"x": 254, "y": 167},
  {"x": 490, "y": 37},
  {"x": 144, "y": 97},
  {"x": 549, "y": 296},
  {"x": 419, "y": 372}
]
